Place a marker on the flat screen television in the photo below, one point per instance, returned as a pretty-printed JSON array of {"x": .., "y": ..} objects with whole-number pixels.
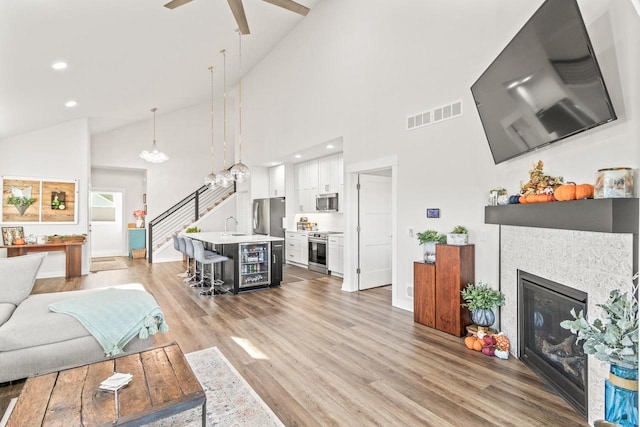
[{"x": 544, "y": 86}]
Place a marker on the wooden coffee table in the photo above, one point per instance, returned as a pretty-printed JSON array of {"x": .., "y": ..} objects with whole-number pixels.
[{"x": 163, "y": 384}]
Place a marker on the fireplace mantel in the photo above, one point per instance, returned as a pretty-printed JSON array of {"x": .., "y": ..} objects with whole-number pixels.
[{"x": 598, "y": 215}]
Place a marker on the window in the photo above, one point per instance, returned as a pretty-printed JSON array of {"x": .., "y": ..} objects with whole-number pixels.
[{"x": 103, "y": 207}]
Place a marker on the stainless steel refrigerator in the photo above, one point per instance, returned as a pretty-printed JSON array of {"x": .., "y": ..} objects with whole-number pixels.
[{"x": 268, "y": 215}]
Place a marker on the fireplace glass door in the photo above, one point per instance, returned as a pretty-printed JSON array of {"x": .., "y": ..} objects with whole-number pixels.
[{"x": 549, "y": 350}]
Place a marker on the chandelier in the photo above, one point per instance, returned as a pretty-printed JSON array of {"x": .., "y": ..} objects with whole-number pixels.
[
  {"x": 224, "y": 178},
  {"x": 210, "y": 180},
  {"x": 240, "y": 171},
  {"x": 154, "y": 155}
]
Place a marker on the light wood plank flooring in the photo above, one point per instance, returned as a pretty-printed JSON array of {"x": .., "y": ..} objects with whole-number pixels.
[{"x": 319, "y": 356}]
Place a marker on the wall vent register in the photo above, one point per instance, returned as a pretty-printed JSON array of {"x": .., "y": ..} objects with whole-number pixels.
[{"x": 435, "y": 115}]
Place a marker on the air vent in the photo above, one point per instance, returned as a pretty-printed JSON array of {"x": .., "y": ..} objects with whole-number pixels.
[{"x": 435, "y": 115}]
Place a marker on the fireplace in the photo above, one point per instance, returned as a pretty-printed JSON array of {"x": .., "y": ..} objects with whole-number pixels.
[{"x": 546, "y": 348}]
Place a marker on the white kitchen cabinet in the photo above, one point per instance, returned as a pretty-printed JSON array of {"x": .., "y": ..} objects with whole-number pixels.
[
  {"x": 306, "y": 180},
  {"x": 297, "y": 251},
  {"x": 276, "y": 181},
  {"x": 328, "y": 174},
  {"x": 336, "y": 255}
]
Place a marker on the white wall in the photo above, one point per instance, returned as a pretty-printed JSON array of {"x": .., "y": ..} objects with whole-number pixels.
[
  {"x": 59, "y": 152},
  {"x": 356, "y": 69}
]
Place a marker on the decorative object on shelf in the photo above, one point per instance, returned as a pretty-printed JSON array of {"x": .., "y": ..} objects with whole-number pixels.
[
  {"x": 614, "y": 183},
  {"x": 573, "y": 191},
  {"x": 69, "y": 238},
  {"x": 224, "y": 178},
  {"x": 139, "y": 215},
  {"x": 458, "y": 236},
  {"x": 210, "y": 180},
  {"x": 11, "y": 234},
  {"x": 498, "y": 196},
  {"x": 614, "y": 340},
  {"x": 240, "y": 171},
  {"x": 539, "y": 184},
  {"x": 428, "y": 240},
  {"x": 21, "y": 199},
  {"x": 192, "y": 230},
  {"x": 481, "y": 300},
  {"x": 154, "y": 155}
]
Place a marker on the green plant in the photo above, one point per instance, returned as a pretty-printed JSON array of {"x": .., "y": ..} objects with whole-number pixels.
[
  {"x": 192, "y": 230},
  {"x": 20, "y": 201},
  {"x": 614, "y": 339},
  {"x": 431, "y": 236},
  {"x": 459, "y": 229},
  {"x": 481, "y": 296}
]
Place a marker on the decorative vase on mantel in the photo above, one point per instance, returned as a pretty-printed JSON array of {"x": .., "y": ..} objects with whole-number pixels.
[
  {"x": 621, "y": 396},
  {"x": 139, "y": 222}
]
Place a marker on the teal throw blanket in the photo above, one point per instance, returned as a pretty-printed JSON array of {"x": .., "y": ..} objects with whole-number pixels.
[{"x": 115, "y": 316}]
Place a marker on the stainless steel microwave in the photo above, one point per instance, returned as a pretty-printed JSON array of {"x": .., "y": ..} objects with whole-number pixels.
[{"x": 327, "y": 202}]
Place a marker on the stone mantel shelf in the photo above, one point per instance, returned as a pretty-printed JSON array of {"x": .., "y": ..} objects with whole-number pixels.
[{"x": 598, "y": 215}]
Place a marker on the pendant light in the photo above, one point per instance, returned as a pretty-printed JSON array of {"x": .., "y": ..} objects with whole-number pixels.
[
  {"x": 240, "y": 171},
  {"x": 154, "y": 155},
  {"x": 224, "y": 178},
  {"x": 210, "y": 180}
]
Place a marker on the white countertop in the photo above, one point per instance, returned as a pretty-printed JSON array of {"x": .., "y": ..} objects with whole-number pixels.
[{"x": 221, "y": 238}]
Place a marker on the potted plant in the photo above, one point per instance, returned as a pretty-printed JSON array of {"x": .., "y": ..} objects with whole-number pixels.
[
  {"x": 428, "y": 240},
  {"x": 458, "y": 236},
  {"x": 21, "y": 203},
  {"x": 614, "y": 340},
  {"x": 481, "y": 300}
]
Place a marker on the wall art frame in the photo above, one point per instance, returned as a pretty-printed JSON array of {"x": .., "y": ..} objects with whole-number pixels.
[{"x": 29, "y": 200}]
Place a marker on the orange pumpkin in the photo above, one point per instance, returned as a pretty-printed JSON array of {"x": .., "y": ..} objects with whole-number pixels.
[
  {"x": 584, "y": 191},
  {"x": 538, "y": 198},
  {"x": 468, "y": 341},
  {"x": 565, "y": 192},
  {"x": 477, "y": 345}
]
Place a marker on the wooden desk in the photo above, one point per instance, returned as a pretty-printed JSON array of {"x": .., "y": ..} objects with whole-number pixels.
[
  {"x": 163, "y": 384},
  {"x": 72, "y": 251}
]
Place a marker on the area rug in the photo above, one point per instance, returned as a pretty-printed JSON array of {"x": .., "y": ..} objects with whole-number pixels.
[
  {"x": 7, "y": 413},
  {"x": 116, "y": 264},
  {"x": 230, "y": 399}
]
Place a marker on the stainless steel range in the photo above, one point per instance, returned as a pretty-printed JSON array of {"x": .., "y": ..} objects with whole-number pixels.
[{"x": 318, "y": 253}]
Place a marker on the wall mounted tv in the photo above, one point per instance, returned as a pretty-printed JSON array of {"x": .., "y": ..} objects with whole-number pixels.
[{"x": 544, "y": 86}]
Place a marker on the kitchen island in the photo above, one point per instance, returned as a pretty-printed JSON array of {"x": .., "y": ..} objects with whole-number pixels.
[{"x": 255, "y": 260}]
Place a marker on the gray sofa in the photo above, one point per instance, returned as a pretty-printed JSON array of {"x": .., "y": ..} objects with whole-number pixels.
[{"x": 34, "y": 340}]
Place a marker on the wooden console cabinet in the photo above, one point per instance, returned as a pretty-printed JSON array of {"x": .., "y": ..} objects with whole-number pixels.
[{"x": 437, "y": 299}]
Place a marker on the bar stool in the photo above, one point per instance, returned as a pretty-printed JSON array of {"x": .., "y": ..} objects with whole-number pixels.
[
  {"x": 177, "y": 247},
  {"x": 211, "y": 258},
  {"x": 193, "y": 279},
  {"x": 183, "y": 249}
]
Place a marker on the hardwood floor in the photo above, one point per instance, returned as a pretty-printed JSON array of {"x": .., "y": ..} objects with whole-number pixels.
[{"x": 320, "y": 356}]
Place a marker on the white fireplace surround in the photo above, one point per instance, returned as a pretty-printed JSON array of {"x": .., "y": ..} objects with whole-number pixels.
[{"x": 595, "y": 263}]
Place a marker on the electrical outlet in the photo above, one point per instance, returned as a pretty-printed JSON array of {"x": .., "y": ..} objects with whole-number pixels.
[
  {"x": 484, "y": 236},
  {"x": 410, "y": 231},
  {"x": 410, "y": 291}
]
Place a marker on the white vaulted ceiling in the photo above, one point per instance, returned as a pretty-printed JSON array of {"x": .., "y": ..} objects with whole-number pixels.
[{"x": 124, "y": 57}]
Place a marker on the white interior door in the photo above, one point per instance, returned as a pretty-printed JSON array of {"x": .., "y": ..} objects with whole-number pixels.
[
  {"x": 375, "y": 231},
  {"x": 107, "y": 224}
]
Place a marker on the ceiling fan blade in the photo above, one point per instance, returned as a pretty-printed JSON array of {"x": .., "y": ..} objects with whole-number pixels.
[
  {"x": 176, "y": 3},
  {"x": 290, "y": 5},
  {"x": 238, "y": 13}
]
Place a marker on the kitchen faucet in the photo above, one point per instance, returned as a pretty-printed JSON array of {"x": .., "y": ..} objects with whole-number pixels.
[{"x": 226, "y": 221}]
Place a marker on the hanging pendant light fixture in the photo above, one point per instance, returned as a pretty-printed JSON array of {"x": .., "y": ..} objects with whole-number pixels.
[
  {"x": 154, "y": 155},
  {"x": 240, "y": 171},
  {"x": 210, "y": 180},
  {"x": 224, "y": 178}
]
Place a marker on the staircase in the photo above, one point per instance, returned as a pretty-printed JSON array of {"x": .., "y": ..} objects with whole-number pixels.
[{"x": 184, "y": 214}]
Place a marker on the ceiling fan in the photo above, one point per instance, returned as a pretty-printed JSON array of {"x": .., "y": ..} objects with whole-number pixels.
[{"x": 238, "y": 10}]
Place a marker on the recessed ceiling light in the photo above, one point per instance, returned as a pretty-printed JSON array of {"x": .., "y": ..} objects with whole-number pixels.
[
  {"x": 70, "y": 104},
  {"x": 297, "y": 156},
  {"x": 329, "y": 146},
  {"x": 61, "y": 65},
  {"x": 275, "y": 163}
]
